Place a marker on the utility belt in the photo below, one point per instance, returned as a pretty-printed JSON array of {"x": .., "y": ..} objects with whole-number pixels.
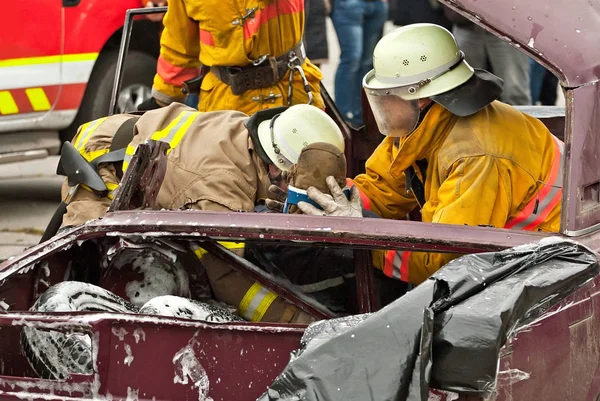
[{"x": 262, "y": 73}]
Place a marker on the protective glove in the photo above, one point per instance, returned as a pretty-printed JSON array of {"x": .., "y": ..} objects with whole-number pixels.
[
  {"x": 276, "y": 199},
  {"x": 335, "y": 205}
]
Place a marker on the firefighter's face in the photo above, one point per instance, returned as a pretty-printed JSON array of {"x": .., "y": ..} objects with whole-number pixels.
[{"x": 278, "y": 177}]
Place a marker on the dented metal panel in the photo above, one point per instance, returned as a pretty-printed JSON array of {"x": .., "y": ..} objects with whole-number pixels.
[{"x": 143, "y": 357}]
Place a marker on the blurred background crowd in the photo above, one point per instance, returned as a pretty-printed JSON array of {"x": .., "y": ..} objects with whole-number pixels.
[{"x": 359, "y": 24}]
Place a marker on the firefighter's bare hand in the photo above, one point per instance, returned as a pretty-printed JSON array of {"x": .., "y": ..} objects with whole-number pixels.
[
  {"x": 335, "y": 204},
  {"x": 276, "y": 199},
  {"x": 155, "y": 17}
]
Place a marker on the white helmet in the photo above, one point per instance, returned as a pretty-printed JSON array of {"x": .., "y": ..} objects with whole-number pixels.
[
  {"x": 423, "y": 61},
  {"x": 285, "y": 135}
]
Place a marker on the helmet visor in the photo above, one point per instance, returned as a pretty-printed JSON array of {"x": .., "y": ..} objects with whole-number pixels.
[{"x": 394, "y": 115}]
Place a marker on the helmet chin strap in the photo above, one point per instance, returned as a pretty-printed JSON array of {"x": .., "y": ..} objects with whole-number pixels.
[{"x": 425, "y": 104}]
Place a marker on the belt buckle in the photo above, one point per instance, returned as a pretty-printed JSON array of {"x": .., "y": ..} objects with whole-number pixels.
[
  {"x": 271, "y": 97},
  {"x": 260, "y": 60}
]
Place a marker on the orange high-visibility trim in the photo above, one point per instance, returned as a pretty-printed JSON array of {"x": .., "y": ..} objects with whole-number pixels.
[
  {"x": 261, "y": 17},
  {"x": 547, "y": 198},
  {"x": 365, "y": 201},
  {"x": 273, "y": 10},
  {"x": 396, "y": 264},
  {"x": 173, "y": 74}
]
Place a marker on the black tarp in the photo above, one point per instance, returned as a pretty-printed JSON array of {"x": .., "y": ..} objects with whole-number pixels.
[{"x": 446, "y": 333}]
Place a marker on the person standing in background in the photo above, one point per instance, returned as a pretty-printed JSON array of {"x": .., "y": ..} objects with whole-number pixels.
[
  {"x": 150, "y": 4},
  {"x": 482, "y": 48},
  {"x": 543, "y": 85},
  {"x": 315, "y": 31},
  {"x": 249, "y": 57},
  {"x": 359, "y": 26},
  {"x": 406, "y": 12}
]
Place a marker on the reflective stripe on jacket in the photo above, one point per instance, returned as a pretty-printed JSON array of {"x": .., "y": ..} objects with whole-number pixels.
[
  {"x": 498, "y": 167},
  {"x": 196, "y": 34}
]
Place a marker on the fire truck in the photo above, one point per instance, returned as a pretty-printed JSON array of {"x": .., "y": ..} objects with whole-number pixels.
[{"x": 57, "y": 66}]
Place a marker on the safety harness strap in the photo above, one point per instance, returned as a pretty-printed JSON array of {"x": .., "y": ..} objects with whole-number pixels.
[{"x": 124, "y": 135}]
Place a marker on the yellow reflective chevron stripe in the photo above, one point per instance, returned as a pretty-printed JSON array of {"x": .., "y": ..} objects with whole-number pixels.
[
  {"x": 85, "y": 132},
  {"x": 171, "y": 134},
  {"x": 256, "y": 302},
  {"x": 7, "y": 103},
  {"x": 200, "y": 252},
  {"x": 38, "y": 99}
]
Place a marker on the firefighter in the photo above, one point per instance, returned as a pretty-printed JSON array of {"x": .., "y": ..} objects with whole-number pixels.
[
  {"x": 451, "y": 149},
  {"x": 252, "y": 55},
  {"x": 303, "y": 265},
  {"x": 218, "y": 161}
]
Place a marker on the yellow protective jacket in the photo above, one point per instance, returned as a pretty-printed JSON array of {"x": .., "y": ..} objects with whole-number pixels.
[
  {"x": 497, "y": 167},
  {"x": 231, "y": 33}
]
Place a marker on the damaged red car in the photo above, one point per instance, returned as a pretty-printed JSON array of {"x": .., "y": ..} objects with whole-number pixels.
[{"x": 513, "y": 319}]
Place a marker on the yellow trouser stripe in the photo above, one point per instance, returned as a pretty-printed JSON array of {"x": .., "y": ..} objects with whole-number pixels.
[
  {"x": 7, "y": 103},
  {"x": 256, "y": 302},
  {"x": 38, "y": 99},
  {"x": 200, "y": 252}
]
